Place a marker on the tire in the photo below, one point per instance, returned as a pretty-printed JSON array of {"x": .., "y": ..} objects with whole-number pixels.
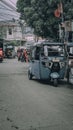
[
  {"x": 67, "y": 75},
  {"x": 70, "y": 77},
  {"x": 55, "y": 82},
  {"x": 30, "y": 75}
]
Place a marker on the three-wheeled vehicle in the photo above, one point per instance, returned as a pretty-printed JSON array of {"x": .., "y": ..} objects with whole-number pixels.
[
  {"x": 9, "y": 51},
  {"x": 48, "y": 61},
  {"x": 70, "y": 63}
]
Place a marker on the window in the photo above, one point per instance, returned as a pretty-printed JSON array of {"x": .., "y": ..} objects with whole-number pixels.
[
  {"x": 10, "y": 31},
  {"x": 37, "y": 53},
  {"x": 53, "y": 51}
]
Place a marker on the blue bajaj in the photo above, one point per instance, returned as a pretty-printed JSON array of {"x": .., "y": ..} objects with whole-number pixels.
[{"x": 48, "y": 62}]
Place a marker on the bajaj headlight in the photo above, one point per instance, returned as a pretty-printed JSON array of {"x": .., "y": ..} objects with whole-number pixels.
[
  {"x": 48, "y": 64},
  {"x": 62, "y": 64}
]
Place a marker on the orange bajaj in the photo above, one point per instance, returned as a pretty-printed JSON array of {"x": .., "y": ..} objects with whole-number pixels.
[{"x": 1, "y": 55}]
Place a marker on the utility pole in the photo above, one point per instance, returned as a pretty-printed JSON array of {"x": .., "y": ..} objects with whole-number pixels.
[{"x": 62, "y": 21}]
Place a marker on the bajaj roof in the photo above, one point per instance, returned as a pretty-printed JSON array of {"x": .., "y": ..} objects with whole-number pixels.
[
  {"x": 48, "y": 43},
  {"x": 70, "y": 44}
]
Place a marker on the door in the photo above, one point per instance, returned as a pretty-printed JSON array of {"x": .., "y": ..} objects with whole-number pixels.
[{"x": 35, "y": 62}]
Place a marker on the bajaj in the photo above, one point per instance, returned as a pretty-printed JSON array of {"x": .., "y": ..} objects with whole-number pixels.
[
  {"x": 48, "y": 61},
  {"x": 70, "y": 63}
]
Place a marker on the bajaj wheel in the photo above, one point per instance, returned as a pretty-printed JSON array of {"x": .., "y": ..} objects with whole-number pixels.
[
  {"x": 67, "y": 75},
  {"x": 30, "y": 75},
  {"x": 55, "y": 82},
  {"x": 70, "y": 79}
]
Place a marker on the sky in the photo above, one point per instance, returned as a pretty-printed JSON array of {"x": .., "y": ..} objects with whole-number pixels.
[{"x": 8, "y": 10}]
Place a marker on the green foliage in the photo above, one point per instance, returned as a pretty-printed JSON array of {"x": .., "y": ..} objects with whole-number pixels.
[{"x": 39, "y": 14}]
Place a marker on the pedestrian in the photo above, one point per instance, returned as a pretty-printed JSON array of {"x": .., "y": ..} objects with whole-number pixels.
[
  {"x": 25, "y": 55},
  {"x": 1, "y": 52}
]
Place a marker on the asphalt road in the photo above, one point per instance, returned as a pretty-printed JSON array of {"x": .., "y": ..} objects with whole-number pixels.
[{"x": 32, "y": 105}]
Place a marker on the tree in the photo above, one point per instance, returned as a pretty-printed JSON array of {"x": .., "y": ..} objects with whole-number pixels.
[{"x": 39, "y": 14}]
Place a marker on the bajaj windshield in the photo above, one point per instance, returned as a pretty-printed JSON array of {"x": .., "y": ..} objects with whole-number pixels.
[{"x": 54, "y": 51}]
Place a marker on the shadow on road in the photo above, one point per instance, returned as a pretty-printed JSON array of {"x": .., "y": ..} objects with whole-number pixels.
[{"x": 61, "y": 83}]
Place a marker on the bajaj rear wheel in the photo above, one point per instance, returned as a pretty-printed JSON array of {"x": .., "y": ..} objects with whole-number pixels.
[
  {"x": 55, "y": 82},
  {"x": 30, "y": 75},
  {"x": 70, "y": 77}
]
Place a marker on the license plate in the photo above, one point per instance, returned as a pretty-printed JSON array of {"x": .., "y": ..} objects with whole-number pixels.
[{"x": 56, "y": 60}]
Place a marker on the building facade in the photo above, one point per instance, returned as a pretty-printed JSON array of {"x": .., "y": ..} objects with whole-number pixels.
[{"x": 13, "y": 31}]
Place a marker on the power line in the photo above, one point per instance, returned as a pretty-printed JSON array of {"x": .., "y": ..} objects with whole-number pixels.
[
  {"x": 6, "y": 20},
  {"x": 9, "y": 5},
  {"x": 10, "y": 10},
  {"x": 3, "y": 5},
  {"x": 2, "y": 18},
  {"x": 7, "y": 15},
  {"x": 12, "y": 2}
]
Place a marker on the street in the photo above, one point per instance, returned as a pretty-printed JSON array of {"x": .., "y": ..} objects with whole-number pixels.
[{"x": 32, "y": 105}]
